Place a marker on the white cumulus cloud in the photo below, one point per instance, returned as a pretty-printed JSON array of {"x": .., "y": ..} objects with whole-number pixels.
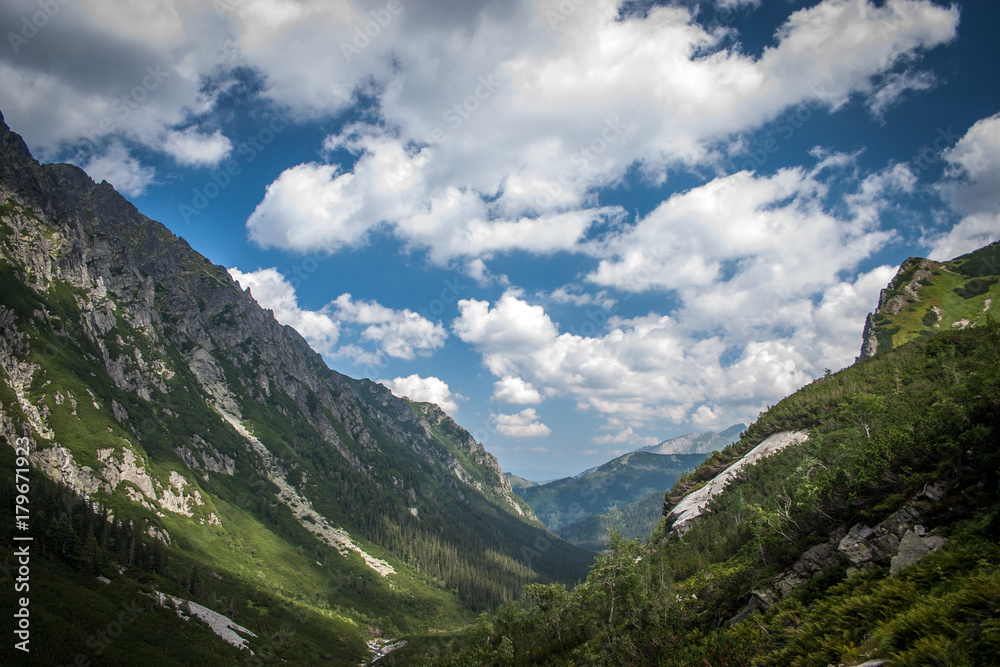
[
  {"x": 117, "y": 166},
  {"x": 190, "y": 147},
  {"x": 307, "y": 206},
  {"x": 500, "y": 146},
  {"x": 399, "y": 333},
  {"x": 423, "y": 390},
  {"x": 516, "y": 391},
  {"x": 970, "y": 187},
  {"x": 524, "y": 424}
]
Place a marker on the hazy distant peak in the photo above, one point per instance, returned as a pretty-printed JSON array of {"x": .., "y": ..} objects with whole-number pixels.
[{"x": 697, "y": 443}]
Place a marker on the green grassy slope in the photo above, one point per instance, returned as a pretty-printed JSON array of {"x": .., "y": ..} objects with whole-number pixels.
[{"x": 927, "y": 296}]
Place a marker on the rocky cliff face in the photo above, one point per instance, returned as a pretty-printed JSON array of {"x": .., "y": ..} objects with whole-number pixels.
[
  {"x": 129, "y": 275},
  {"x": 139, "y": 370},
  {"x": 902, "y": 290},
  {"x": 925, "y": 296},
  {"x": 899, "y": 541}
]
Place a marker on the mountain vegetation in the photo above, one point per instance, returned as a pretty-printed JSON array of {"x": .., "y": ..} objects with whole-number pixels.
[
  {"x": 185, "y": 445},
  {"x": 637, "y": 519},
  {"x": 187, "y": 457},
  {"x": 873, "y": 539}
]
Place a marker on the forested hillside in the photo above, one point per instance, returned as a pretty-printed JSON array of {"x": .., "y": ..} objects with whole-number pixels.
[
  {"x": 636, "y": 520},
  {"x": 874, "y": 538}
]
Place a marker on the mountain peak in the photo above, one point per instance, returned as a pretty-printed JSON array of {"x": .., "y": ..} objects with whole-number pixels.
[
  {"x": 696, "y": 443},
  {"x": 926, "y": 296}
]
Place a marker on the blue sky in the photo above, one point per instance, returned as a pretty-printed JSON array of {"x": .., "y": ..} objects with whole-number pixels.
[{"x": 579, "y": 226}]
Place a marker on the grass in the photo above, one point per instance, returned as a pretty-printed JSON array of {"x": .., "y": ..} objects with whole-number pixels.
[{"x": 958, "y": 290}]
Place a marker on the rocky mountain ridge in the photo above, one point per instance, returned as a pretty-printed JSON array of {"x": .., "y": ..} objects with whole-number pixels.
[
  {"x": 123, "y": 268},
  {"x": 150, "y": 384}
]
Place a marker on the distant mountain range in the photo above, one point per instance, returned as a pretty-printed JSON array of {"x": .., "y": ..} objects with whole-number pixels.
[
  {"x": 615, "y": 484},
  {"x": 697, "y": 443},
  {"x": 638, "y": 517},
  {"x": 625, "y": 493}
]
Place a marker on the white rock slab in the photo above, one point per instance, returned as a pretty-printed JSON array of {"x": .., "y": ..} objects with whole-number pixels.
[
  {"x": 694, "y": 503},
  {"x": 221, "y": 625}
]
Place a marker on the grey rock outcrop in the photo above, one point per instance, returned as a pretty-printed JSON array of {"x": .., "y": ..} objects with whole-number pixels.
[
  {"x": 913, "y": 547},
  {"x": 869, "y": 341},
  {"x": 898, "y": 541},
  {"x": 692, "y": 505}
]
